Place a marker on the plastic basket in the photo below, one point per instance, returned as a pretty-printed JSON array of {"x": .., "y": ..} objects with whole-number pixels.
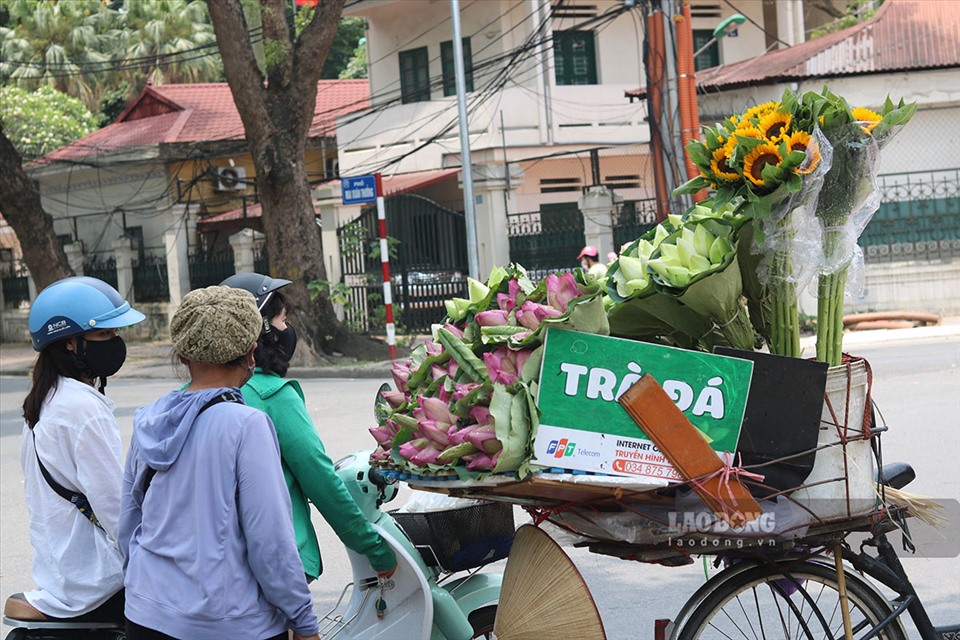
[{"x": 461, "y": 539}]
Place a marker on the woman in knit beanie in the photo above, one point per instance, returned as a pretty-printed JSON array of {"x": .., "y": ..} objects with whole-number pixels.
[{"x": 205, "y": 521}]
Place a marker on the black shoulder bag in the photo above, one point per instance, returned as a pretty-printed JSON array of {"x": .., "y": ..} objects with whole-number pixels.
[{"x": 79, "y": 500}]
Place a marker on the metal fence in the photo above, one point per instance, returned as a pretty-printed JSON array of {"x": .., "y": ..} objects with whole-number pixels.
[
  {"x": 634, "y": 219},
  {"x": 16, "y": 284},
  {"x": 918, "y": 218},
  {"x": 208, "y": 268},
  {"x": 103, "y": 268},
  {"x": 547, "y": 240},
  {"x": 150, "y": 282}
]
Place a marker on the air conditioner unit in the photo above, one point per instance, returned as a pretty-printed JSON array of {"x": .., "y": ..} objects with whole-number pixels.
[{"x": 231, "y": 178}]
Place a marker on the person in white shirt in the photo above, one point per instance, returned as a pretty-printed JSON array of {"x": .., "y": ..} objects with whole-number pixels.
[
  {"x": 590, "y": 261},
  {"x": 71, "y": 448}
]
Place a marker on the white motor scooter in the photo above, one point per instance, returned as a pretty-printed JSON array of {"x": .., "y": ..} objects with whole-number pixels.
[{"x": 422, "y": 600}]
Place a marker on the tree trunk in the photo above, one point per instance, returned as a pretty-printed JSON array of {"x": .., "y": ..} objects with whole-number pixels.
[
  {"x": 277, "y": 110},
  {"x": 20, "y": 204}
]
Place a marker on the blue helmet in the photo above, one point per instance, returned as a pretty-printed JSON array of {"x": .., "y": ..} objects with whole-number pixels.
[{"x": 76, "y": 305}]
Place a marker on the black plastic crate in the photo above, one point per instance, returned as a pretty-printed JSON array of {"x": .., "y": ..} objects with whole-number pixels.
[{"x": 461, "y": 539}]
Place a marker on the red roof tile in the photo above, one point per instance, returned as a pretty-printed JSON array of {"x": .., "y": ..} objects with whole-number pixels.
[
  {"x": 176, "y": 113},
  {"x": 905, "y": 35}
]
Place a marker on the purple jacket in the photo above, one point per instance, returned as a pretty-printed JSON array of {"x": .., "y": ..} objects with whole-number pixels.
[{"x": 209, "y": 550}]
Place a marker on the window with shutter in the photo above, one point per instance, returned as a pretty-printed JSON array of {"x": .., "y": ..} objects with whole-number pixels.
[
  {"x": 414, "y": 76},
  {"x": 574, "y": 57},
  {"x": 449, "y": 70}
]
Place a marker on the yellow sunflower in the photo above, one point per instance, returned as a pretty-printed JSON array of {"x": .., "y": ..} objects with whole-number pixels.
[
  {"x": 720, "y": 167},
  {"x": 775, "y": 124},
  {"x": 801, "y": 141},
  {"x": 866, "y": 116},
  {"x": 760, "y": 110},
  {"x": 750, "y": 132},
  {"x": 756, "y": 160}
]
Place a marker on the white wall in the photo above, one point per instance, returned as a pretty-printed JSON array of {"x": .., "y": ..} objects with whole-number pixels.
[
  {"x": 590, "y": 115},
  {"x": 97, "y": 202}
]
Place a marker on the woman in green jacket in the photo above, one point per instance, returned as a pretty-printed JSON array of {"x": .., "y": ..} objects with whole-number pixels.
[{"x": 307, "y": 468}]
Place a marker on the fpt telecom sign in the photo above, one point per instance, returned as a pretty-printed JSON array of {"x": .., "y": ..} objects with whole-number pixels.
[
  {"x": 358, "y": 189},
  {"x": 582, "y": 427}
]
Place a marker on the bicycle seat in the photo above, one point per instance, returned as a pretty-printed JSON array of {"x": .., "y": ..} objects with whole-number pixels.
[
  {"x": 17, "y": 608},
  {"x": 896, "y": 475}
]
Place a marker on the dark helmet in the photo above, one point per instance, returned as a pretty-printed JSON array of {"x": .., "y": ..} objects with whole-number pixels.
[
  {"x": 75, "y": 305},
  {"x": 261, "y": 286}
]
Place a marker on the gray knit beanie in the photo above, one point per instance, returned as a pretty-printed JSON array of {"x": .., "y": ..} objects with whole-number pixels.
[{"x": 215, "y": 325}]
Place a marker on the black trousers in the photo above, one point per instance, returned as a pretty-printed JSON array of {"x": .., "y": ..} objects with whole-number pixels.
[{"x": 137, "y": 632}]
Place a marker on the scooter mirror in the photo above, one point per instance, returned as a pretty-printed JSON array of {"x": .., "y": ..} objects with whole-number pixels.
[{"x": 381, "y": 408}]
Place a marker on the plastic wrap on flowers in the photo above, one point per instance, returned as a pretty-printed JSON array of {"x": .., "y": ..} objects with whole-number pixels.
[
  {"x": 849, "y": 199},
  {"x": 465, "y": 402}
]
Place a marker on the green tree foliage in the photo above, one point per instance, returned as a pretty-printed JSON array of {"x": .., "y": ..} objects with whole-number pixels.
[
  {"x": 50, "y": 43},
  {"x": 854, "y": 13},
  {"x": 357, "y": 67},
  {"x": 344, "y": 48},
  {"x": 37, "y": 122},
  {"x": 176, "y": 35}
]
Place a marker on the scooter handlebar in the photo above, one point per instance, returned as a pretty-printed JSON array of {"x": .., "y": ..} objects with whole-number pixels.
[{"x": 378, "y": 479}]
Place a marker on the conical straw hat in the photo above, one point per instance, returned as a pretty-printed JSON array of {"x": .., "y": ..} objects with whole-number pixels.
[{"x": 543, "y": 594}]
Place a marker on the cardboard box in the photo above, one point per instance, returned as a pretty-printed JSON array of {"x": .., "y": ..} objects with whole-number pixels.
[{"x": 582, "y": 427}]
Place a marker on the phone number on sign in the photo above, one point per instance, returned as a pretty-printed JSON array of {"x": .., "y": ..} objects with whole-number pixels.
[{"x": 645, "y": 469}]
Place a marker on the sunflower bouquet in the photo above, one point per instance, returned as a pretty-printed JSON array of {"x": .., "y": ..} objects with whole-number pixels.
[
  {"x": 769, "y": 161},
  {"x": 848, "y": 200}
]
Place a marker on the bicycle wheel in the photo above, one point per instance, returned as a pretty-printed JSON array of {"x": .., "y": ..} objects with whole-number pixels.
[{"x": 788, "y": 601}]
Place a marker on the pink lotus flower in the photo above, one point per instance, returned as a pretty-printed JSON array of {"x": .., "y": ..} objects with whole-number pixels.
[
  {"x": 504, "y": 365},
  {"x": 435, "y": 409},
  {"x": 459, "y": 436},
  {"x": 395, "y": 399},
  {"x": 561, "y": 290},
  {"x": 485, "y": 439},
  {"x": 482, "y": 462},
  {"x": 400, "y": 373},
  {"x": 434, "y": 432},
  {"x": 454, "y": 330},
  {"x": 437, "y": 371},
  {"x": 530, "y": 314},
  {"x": 383, "y": 436},
  {"x": 508, "y": 301},
  {"x": 492, "y": 318},
  {"x": 433, "y": 349},
  {"x": 380, "y": 454},
  {"x": 460, "y": 390},
  {"x": 412, "y": 447},
  {"x": 481, "y": 414}
]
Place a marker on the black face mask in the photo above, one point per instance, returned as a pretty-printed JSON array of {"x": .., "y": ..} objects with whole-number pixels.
[
  {"x": 287, "y": 341},
  {"x": 100, "y": 358}
]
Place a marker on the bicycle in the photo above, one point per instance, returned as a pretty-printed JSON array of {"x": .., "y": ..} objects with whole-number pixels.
[{"x": 799, "y": 595}]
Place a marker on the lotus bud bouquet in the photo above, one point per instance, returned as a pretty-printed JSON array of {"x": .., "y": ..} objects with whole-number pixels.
[
  {"x": 680, "y": 282},
  {"x": 465, "y": 401}
]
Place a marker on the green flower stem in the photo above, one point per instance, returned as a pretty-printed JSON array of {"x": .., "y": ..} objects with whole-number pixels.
[
  {"x": 739, "y": 332},
  {"x": 785, "y": 329},
  {"x": 830, "y": 317}
]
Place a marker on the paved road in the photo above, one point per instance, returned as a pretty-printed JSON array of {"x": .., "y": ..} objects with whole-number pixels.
[{"x": 916, "y": 386}]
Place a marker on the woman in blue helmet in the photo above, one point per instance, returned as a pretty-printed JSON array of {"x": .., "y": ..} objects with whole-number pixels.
[{"x": 71, "y": 450}]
